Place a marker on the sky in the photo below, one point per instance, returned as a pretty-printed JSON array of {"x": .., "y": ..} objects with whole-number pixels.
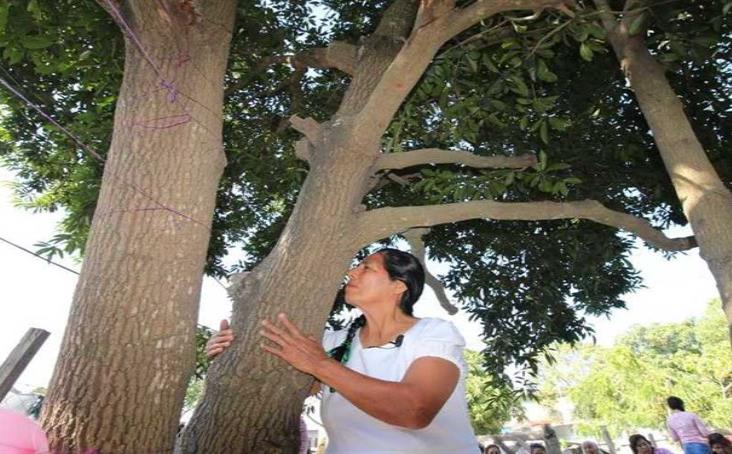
[{"x": 36, "y": 294}]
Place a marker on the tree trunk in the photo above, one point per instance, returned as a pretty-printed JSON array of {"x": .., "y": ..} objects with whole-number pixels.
[
  {"x": 128, "y": 349},
  {"x": 706, "y": 202},
  {"x": 252, "y": 402}
]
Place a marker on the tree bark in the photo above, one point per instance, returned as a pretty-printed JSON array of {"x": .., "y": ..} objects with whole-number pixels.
[
  {"x": 128, "y": 350},
  {"x": 706, "y": 201}
]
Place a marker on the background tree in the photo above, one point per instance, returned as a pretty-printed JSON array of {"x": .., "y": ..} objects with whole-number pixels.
[
  {"x": 704, "y": 196},
  {"x": 491, "y": 404},
  {"x": 625, "y": 386}
]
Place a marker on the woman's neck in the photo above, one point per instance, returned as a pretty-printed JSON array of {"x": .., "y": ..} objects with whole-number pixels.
[{"x": 383, "y": 326}]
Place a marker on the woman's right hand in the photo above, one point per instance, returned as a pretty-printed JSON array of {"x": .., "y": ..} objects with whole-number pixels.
[{"x": 220, "y": 341}]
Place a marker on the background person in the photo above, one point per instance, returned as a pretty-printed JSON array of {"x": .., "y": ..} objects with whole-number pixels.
[
  {"x": 640, "y": 445},
  {"x": 719, "y": 444},
  {"x": 686, "y": 428}
]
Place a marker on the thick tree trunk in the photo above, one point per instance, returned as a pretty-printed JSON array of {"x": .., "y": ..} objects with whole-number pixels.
[
  {"x": 252, "y": 402},
  {"x": 706, "y": 202},
  {"x": 128, "y": 350}
]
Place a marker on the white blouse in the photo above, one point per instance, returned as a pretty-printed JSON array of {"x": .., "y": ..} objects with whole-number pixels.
[{"x": 352, "y": 431}]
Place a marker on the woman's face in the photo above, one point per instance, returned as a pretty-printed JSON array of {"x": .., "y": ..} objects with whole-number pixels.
[
  {"x": 644, "y": 447},
  {"x": 492, "y": 450},
  {"x": 717, "y": 448},
  {"x": 370, "y": 283}
]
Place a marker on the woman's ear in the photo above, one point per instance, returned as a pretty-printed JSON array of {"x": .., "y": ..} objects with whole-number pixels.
[{"x": 399, "y": 286}]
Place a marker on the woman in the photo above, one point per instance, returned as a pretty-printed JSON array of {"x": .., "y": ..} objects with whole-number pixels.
[
  {"x": 640, "y": 445},
  {"x": 391, "y": 382},
  {"x": 492, "y": 449},
  {"x": 686, "y": 428},
  {"x": 719, "y": 444}
]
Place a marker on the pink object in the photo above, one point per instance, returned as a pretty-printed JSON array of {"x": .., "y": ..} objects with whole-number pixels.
[
  {"x": 686, "y": 427},
  {"x": 21, "y": 435}
]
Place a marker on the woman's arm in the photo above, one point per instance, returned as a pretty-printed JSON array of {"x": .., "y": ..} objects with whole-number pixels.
[{"x": 412, "y": 403}]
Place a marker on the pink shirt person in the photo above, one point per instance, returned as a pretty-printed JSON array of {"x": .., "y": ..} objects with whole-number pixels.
[{"x": 686, "y": 427}]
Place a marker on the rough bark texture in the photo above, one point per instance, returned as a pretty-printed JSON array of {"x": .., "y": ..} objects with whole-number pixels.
[
  {"x": 706, "y": 202},
  {"x": 128, "y": 350}
]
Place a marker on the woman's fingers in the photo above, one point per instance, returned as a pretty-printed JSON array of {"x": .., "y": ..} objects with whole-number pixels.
[
  {"x": 274, "y": 337},
  {"x": 289, "y": 325},
  {"x": 274, "y": 329},
  {"x": 274, "y": 350}
]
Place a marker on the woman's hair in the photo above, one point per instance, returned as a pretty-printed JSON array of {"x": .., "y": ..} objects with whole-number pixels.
[
  {"x": 403, "y": 266},
  {"x": 719, "y": 439},
  {"x": 400, "y": 266},
  {"x": 533, "y": 446},
  {"x": 674, "y": 403},
  {"x": 635, "y": 439},
  {"x": 491, "y": 446}
]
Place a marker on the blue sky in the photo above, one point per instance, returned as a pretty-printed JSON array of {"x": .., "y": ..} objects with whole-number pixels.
[{"x": 36, "y": 294}]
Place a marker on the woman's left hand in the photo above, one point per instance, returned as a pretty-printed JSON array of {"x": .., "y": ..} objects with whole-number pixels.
[{"x": 304, "y": 353}]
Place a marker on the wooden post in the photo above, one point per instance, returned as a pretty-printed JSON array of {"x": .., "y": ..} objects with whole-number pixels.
[
  {"x": 19, "y": 358},
  {"x": 608, "y": 440}
]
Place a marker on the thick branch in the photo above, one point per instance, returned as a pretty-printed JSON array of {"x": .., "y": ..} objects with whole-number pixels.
[
  {"x": 338, "y": 55},
  {"x": 383, "y": 222},
  {"x": 435, "y": 25},
  {"x": 416, "y": 244},
  {"x": 470, "y": 15},
  {"x": 437, "y": 156},
  {"x": 307, "y": 126}
]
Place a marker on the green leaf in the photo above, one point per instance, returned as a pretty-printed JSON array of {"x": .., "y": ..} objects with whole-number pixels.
[
  {"x": 519, "y": 86},
  {"x": 37, "y": 42},
  {"x": 543, "y": 72},
  {"x": 636, "y": 24},
  {"x": 35, "y": 10},
  {"x": 544, "y": 132},
  {"x": 585, "y": 52},
  {"x": 13, "y": 54}
]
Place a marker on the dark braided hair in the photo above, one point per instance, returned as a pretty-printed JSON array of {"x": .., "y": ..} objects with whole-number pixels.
[{"x": 400, "y": 266}]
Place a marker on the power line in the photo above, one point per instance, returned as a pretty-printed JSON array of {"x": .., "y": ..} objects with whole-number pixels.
[{"x": 39, "y": 256}]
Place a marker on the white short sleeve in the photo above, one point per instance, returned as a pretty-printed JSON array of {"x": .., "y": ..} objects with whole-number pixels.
[
  {"x": 332, "y": 339},
  {"x": 441, "y": 339}
]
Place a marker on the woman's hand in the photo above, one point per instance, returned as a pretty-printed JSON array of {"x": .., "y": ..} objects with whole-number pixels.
[
  {"x": 304, "y": 353},
  {"x": 220, "y": 340}
]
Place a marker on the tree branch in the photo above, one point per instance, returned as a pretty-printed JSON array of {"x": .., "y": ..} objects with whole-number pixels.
[
  {"x": 338, "y": 55},
  {"x": 307, "y": 126},
  {"x": 416, "y": 244},
  {"x": 435, "y": 25},
  {"x": 437, "y": 156},
  {"x": 383, "y": 222}
]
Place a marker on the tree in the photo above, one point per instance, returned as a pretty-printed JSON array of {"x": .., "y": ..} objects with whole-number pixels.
[
  {"x": 132, "y": 324},
  {"x": 491, "y": 405},
  {"x": 704, "y": 196},
  {"x": 246, "y": 401},
  {"x": 625, "y": 386}
]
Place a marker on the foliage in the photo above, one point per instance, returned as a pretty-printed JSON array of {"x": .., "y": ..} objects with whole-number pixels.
[
  {"x": 505, "y": 87},
  {"x": 625, "y": 386},
  {"x": 491, "y": 404}
]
